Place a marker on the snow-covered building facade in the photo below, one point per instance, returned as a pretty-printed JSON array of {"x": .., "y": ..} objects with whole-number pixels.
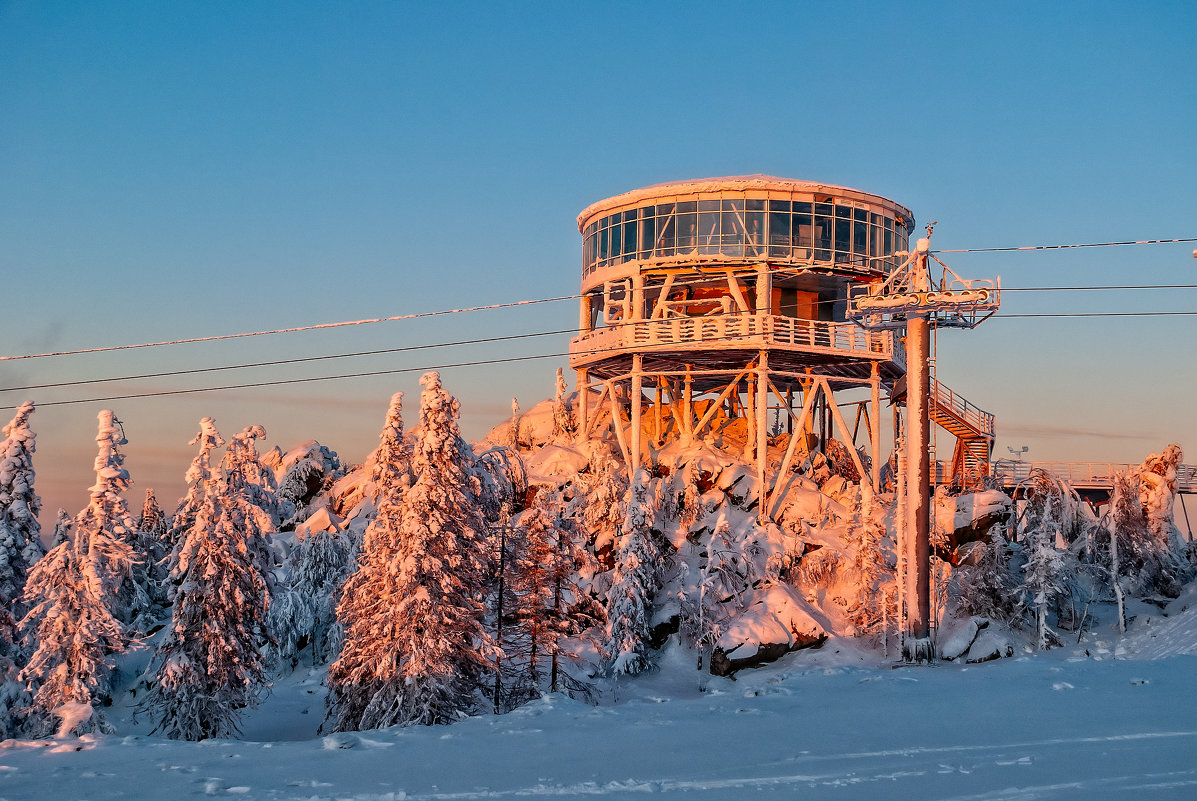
[{"x": 727, "y": 298}]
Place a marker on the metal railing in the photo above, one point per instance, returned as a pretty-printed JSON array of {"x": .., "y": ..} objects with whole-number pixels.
[
  {"x": 976, "y": 418},
  {"x": 1084, "y": 474},
  {"x": 746, "y": 330}
]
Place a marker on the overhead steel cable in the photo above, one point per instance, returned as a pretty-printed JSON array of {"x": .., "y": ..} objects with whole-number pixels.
[
  {"x": 1068, "y": 247},
  {"x": 508, "y": 360},
  {"x": 536, "y": 334}
]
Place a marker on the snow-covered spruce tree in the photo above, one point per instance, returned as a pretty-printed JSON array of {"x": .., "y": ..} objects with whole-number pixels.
[
  {"x": 390, "y": 463},
  {"x": 199, "y": 477},
  {"x": 724, "y": 578},
  {"x": 866, "y": 530},
  {"x": 985, "y": 584},
  {"x": 20, "y": 533},
  {"x": 64, "y": 527},
  {"x": 318, "y": 567},
  {"x": 154, "y": 546},
  {"x": 1146, "y": 554},
  {"x": 1049, "y": 512},
  {"x": 105, "y": 530},
  {"x": 547, "y": 606},
  {"x": 70, "y": 632},
  {"x": 12, "y": 694},
  {"x": 247, "y": 480},
  {"x": 638, "y": 568},
  {"x": 416, "y": 650},
  {"x": 563, "y": 417},
  {"x": 604, "y": 488},
  {"x": 210, "y": 665}
]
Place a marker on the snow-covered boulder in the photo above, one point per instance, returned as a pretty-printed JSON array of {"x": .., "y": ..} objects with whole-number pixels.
[
  {"x": 554, "y": 460},
  {"x": 778, "y": 621},
  {"x": 960, "y": 639},
  {"x": 991, "y": 643},
  {"x": 968, "y": 518}
]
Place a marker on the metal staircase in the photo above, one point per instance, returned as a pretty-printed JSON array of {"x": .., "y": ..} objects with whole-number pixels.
[{"x": 973, "y": 428}]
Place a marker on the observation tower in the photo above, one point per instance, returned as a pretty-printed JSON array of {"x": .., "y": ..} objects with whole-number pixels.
[{"x": 730, "y": 295}]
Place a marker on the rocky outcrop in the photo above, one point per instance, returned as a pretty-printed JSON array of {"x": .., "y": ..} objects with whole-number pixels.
[{"x": 777, "y": 622}]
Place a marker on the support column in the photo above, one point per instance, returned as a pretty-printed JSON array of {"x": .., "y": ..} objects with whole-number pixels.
[
  {"x": 657, "y": 410},
  {"x": 583, "y": 385},
  {"x": 875, "y": 424},
  {"x": 762, "y": 434},
  {"x": 637, "y": 404},
  {"x": 688, "y": 407},
  {"x": 918, "y": 520}
]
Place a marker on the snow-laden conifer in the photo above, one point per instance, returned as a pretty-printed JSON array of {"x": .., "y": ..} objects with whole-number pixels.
[
  {"x": 638, "y": 570},
  {"x": 307, "y": 608},
  {"x": 718, "y": 592},
  {"x": 20, "y": 532},
  {"x": 64, "y": 527},
  {"x": 310, "y": 469},
  {"x": 415, "y": 648},
  {"x": 153, "y": 546},
  {"x": 563, "y": 416},
  {"x": 1051, "y": 513},
  {"x": 105, "y": 530},
  {"x": 210, "y": 666},
  {"x": 604, "y": 488},
  {"x": 70, "y": 634},
  {"x": 199, "y": 477},
  {"x": 547, "y": 605},
  {"x": 390, "y": 463},
  {"x": 866, "y": 530}
]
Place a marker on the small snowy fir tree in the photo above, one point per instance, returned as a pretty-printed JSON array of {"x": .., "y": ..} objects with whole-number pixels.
[
  {"x": 604, "y": 488},
  {"x": 563, "y": 415},
  {"x": 70, "y": 633},
  {"x": 416, "y": 650},
  {"x": 211, "y": 666},
  {"x": 20, "y": 533},
  {"x": 64, "y": 527},
  {"x": 390, "y": 463},
  {"x": 638, "y": 569},
  {"x": 548, "y": 603},
  {"x": 199, "y": 477},
  {"x": 719, "y": 591},
  {"x": 1048, "y": 514},
  {"x": 154, "y": 545},
  {"x": 986, "y": 586},
  {"x": 105, "y": 530},
  {"x": 866, "y": 530},
  {"x": 318, "y": 567}
]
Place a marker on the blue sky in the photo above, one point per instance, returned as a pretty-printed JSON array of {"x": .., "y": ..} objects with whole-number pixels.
[{"x": 186, "y": 169}]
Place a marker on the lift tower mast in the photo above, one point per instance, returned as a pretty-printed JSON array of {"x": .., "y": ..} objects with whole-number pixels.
[{"x": 911, "y": 299}]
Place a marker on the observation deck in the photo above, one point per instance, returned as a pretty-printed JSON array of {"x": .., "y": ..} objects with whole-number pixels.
[{"x": 833, "y": 349}]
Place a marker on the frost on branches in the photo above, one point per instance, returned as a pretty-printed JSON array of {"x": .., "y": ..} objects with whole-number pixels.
[
  {"x": 546, "y": 604},
  {"x": 210, "y": 665},
  {"x": 20, "y": 543},
  {"x": 199, "y": 477},
  {"x": 1051, "y": 520},
  {"x": 306, "y": 611},
  {"x": 70, "y": 633},
  {"x": 416, "y": 650},
  {"x": 637, "y": 577},
  {"x": 1144, "y": 539},
  {"x": 105, "y": 531},
  {"x": 390, "y": 463},
  {"x": 153, "y": 546}
]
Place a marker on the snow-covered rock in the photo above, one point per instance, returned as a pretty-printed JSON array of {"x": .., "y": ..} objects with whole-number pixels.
[
  {"x": 990, "y": 644},
  {"x": 778, "y": 621},
  {"x": 554, "y": 460},
  {"x": 960, "y": 639}
]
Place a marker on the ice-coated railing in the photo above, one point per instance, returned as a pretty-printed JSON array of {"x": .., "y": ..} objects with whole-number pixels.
[
  {"x": 1085, "y": 474},
  {"x": 736, "y": 330}
]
